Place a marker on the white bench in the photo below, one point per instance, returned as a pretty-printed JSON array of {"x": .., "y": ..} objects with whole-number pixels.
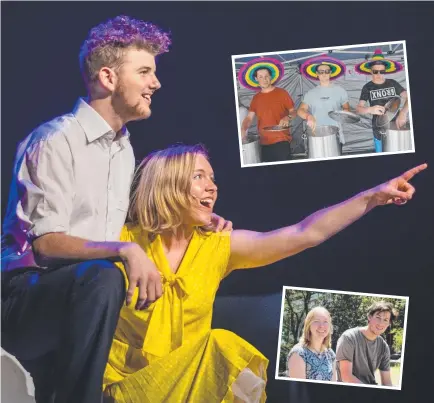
[{"x": 16, "y": 382}]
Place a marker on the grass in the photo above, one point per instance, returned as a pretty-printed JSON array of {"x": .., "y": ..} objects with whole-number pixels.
[{"x": 395, "y": 372}]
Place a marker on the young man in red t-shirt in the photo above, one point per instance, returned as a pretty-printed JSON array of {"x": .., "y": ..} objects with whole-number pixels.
[{"x": 272, "y": 106}]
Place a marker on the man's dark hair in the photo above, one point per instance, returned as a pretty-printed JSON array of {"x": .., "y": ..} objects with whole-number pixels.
[
  {"x": 262, "y": 68},
  {"x": 383, "y": 306},
  {"x": 321, "y": 64},
  {"x": 377, "y": 63}
]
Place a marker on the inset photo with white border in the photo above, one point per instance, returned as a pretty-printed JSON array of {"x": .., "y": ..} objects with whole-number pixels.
[
  {"x": 343, "y": 338},
  {"x": 323, "y": 103}
]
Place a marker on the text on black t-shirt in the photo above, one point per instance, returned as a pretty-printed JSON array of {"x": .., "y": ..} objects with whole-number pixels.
[{"x": 379, "y": 94}]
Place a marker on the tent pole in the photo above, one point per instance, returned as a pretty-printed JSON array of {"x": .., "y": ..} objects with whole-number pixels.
[
  {"x": 396, "y": 47},
  {"x": 293, "y": 60},
  {"x": 323, "y": 53},
  {"x": 302, "y": 123},
  {"x": 304, "y": 58}
]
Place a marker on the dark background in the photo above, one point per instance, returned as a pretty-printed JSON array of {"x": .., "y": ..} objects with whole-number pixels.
[{"x": 388, "y": 252}]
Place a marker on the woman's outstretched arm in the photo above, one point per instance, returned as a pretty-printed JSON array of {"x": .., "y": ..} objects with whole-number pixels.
[{"x": 254, "y": 249}]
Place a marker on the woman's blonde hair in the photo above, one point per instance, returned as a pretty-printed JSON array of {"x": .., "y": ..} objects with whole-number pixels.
[
  {"x": 161, "y": 186},
  {"x": 306, "y": 338}
]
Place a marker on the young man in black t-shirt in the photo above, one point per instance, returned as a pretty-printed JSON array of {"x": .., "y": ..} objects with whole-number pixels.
[{"x": 377, "y": 92}]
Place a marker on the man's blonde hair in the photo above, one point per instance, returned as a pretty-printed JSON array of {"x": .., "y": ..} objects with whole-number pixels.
[
  {"x": 162, "y": 188},
  {"x": 306, "y": 338}
]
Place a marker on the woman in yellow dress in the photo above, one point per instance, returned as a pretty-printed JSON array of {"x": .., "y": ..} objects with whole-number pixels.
[{"x": 168, "y": 351}]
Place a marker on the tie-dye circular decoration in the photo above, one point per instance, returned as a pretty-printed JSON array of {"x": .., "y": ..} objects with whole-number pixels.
[
  {"x": 308, "y": 68},
  {"x": 246, "y": 75},
  {"x": 391, "y": 66}
]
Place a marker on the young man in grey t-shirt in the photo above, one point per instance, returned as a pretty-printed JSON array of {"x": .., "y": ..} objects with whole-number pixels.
[
  {"x": 321, "y": 100},
  {"x": 361, "y": 351}
]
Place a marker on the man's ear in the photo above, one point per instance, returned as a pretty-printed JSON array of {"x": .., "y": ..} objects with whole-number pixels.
[{"x": 107, "y": 78}]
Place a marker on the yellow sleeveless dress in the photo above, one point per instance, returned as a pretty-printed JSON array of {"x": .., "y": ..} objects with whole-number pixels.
[{"x": 168, "y": 352}]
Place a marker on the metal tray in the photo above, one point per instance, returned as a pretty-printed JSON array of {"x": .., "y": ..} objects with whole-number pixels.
[
  {"x": 344, "y": 116},
  {"x": 275, "y": 128},
  {"x": 391, "y": 109}
]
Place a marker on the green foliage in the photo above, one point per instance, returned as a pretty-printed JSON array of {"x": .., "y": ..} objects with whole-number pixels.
[
  {"x": 346, "y": 313},
  {"x": 397, "y": 338},
  {"x": 296, "y": 307}
]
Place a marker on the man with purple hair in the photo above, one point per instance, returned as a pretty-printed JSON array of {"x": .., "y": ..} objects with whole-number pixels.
[{"x": 61, "y": 290}]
